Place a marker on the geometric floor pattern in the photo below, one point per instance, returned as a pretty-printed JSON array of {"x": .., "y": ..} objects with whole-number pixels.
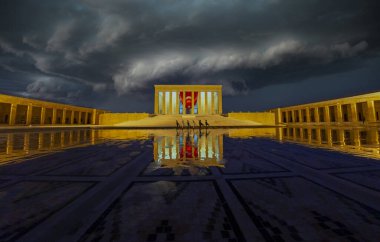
[{"x": 266, "y": 191}]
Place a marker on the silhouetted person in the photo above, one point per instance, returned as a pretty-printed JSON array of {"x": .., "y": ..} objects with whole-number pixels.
[
  {"x": 206, "y": 123},
  {"x": 200, "y": 124},
  {"x": 177, "y": 124},
  {"x": 193, "y": 124},
  {"x": 188, "y": 124},
  {"x": 183, "y": 124}
]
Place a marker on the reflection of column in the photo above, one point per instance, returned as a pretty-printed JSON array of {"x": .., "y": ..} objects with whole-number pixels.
[
  {"x": 29, "y": 114},
  {"x": 329, "y": 136},
  {"x": 9, "y": 144},
  {"x": 373, "y": 138},
  {"x": 309, "y": 138},
  {"x": 43, "y": 113},
  {"x": 356, "y": 137},
  {"x": 341, "y": 136},
  {"x": 371, "y": 111},
  {"x": 62, "y": 139},
  {"x": 40, "y": 141},
  {"x": 12, "y": 116},
  {"x": 220, "y": 147},
  {"x": 155, "y": 148},
  {"x": 318, "y": 136},
  {"x": 339, "y": 114},
  {"x": 26, "y": 142}
]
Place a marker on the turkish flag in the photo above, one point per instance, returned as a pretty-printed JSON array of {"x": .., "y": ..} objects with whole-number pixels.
[{"x": 188, "y": 99}]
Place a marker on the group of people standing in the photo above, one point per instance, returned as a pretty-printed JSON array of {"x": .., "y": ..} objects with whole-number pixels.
[{"x": 193, "y": 126}]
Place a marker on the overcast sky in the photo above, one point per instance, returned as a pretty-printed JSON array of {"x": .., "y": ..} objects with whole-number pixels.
[{"x": 266, "y": 53}]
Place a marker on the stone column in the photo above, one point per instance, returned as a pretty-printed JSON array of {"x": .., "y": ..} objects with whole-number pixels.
[
  {"x": 192, "y": 102},
  {"x": 212, "y": 103},
  {"x": 12, "y": 116},
  {"x": 329, "y": 136},
  {"x": 316, "y": 114},
  {"x": 220, "y": 109},
  {"x": 64, "y": 116},
  {"x": 29, "y": 114},
  {"x": 293, "y": 117},
  {"x": 54, "y": 118},
  {"x": 43, "y": 111},
  {"x": 206, "y": 103},
  {"x": 86, "y": 118},
  {"x": 327, "y": 114},
  {"x": 371, "y": 113},
  {"x": 177, "y": 103},
  {"x": 94, "y": 121},
  {"x": 72, "y": 117},
  {"x": 307, "y": 113},
  {"x": 155, "y": 101},
  {"x": 339, "y": 114},
  {"x": 354, "y": 114}
]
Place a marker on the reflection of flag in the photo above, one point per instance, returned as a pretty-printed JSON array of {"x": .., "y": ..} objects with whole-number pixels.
[
  {"x": 188, "y": 99},
  {"x": 188, "y": 151}
]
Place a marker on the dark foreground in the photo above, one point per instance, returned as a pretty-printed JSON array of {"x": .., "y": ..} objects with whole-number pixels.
[{"x": 185, "y": 187}]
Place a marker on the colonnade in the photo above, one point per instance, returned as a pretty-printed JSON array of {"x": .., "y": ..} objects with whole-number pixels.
[
  {"x": 188, "y": 99},
  {"x": 363, "y": 109},
  {"x": 25, "y": 111}
]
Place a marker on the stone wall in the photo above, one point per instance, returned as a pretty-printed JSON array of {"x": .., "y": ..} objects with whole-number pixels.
[
  {"x": 115, "y": 118},
  {"x": 265, "y": 118}
]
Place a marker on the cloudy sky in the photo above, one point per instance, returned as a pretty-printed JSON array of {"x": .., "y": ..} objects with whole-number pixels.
[{"x": 266, "y": 53}]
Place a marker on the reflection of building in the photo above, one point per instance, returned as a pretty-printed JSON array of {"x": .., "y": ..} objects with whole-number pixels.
[
  {"x": 15, "y": 145},
  {"x": 362, "y": 108},
  {"x": 188, "y": 99},
  {"x": 189, "y": 148},
  {"x": 358, "y": 141}
]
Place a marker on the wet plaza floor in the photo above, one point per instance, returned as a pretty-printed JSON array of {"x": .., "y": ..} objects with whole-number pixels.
[{"x": 273, "y": 184}]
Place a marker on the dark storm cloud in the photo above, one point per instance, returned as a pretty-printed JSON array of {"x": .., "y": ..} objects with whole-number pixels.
[{"x": 95, "y": 48}]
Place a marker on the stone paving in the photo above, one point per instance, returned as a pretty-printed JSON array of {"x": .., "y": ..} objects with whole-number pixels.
[{"x": 265, "y": 191}]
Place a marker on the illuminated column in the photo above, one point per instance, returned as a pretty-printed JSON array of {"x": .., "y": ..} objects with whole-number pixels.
[
  {"x": 371, "y": 114},
  {"x": 178, "y": 100},
  {"x": 293, "y": 116},
  {"x": 170, "y": 103},
  {"x": 341, "y": 136},
  {"x": 327, "y": 114},
  {"x": 192, "y": 102},
  {"x": 12, "y": 116},
  {"x": 339, "y": 114},
  {"x": 356, "y": 137},
  {"x": 307, "y": 113},
  {"x": 220, "y": 101},
  {"x": 72, "y": 117},
  {"x": 64, "y": 116},
  {"x": 212, "y": 103},
  {"x": 54, "y": 118},
  {"x": 43, "y": 112},
  {"x": 316, "y": 114},
  {"x": 94, "y": 121},
  {"x": 29, "y": 114},
  {"x": 155, "y": 101},
  {"x": 354, "y": 114},
  {"x": 40, "y": 141},
  {"x": 164, "y": 103},
  {"x": 86, "y": 118}
]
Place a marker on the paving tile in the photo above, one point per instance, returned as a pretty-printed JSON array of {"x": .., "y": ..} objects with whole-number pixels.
[
  {"x": 166, "y": 211},
  {"x": 296, "y": 209},
  {"x": 370, "y": 178},
  {"x": 25, "y": 204}
]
